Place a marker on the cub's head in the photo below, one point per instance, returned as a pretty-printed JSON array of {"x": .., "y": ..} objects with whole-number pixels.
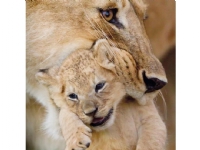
[{"x": 85, "y": 86}]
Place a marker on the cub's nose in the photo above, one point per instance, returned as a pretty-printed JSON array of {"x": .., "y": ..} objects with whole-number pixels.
[
  {"x": 89, "y": 108},
  {"x": 153, "y": 84}
]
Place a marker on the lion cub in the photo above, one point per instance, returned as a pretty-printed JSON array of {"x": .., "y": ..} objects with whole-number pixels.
[{"x": 87, "y": 89}]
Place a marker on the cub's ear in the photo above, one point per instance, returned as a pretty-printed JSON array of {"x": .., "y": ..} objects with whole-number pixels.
[
  {"x": 104, "y": 55},
  {"x": 47, "y": 76}
]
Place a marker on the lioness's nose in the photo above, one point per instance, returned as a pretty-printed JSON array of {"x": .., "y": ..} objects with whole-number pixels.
[
  {"x": 153, "y": 84},
  {"x": 89, "y": 108}
]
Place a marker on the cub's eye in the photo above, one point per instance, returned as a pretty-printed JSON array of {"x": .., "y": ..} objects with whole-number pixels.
[
  {"x": 107, "y": 14},
  {"x": 73, "y": 96},
  {"x": 99, "y": 86}
]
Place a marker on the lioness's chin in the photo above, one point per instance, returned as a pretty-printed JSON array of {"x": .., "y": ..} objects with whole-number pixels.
[
  {"x": 148, "y": 96},
  {"x": 99, "y": 124}
]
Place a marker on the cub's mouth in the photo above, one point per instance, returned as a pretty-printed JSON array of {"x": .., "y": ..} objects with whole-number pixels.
[{"x": 100, "y": 121}]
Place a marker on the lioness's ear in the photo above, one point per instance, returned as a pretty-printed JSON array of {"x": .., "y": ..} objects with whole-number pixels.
[
  {"x": 103, "y": 54},
  {"x": 47, "y": 76}
]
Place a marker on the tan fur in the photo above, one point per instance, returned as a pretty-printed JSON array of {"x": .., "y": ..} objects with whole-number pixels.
[
  {"x": 161, "y": 30},
  {"x": 79, "y": 74},
  {"x": 57, "y": 28}
]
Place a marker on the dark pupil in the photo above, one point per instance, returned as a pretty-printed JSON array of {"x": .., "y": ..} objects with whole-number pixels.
[
  {"x": 73, "y": 96},
  {"x": 106, "y": 13},
  {"x": 99, "y": 86}
]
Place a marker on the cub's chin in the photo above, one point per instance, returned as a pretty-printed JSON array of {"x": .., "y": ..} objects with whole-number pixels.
[{"x": 103, "y": 123}]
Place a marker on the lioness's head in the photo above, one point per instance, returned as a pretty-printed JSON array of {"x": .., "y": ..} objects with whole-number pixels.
[{"x": 56, "y": 28}]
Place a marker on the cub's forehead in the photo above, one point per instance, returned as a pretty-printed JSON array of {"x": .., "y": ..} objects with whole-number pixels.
[
  {"x": 82, "y": 80},
  {"x": 80, "y": 70},
  {"x": 76, "y": 61}
]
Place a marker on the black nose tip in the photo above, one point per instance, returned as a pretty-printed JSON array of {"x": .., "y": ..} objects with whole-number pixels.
[{"x": 153, "y": 84}]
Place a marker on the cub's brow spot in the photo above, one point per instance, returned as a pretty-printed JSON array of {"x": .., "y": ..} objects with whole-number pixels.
[
  {"x": 125, "y": 60},
  {"x": 63, "y": 89}
]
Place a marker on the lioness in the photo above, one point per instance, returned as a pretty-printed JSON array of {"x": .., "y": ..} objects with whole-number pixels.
[
  {"x": 57, "y": 28},
  {"x": 88, "y": 84}
]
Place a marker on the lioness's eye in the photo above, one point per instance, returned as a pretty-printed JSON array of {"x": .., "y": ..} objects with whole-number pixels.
[
  {"x": 107, "y": 14},
  {"x": 73, "y": 96},
  {"x": 99, "y": 86},
  {"x": 110, "y": 16}
]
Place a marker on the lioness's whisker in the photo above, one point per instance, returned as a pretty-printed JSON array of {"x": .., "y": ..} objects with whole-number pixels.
[
  {"x": 91, "y": 23},
  {"x": 164, "y": 105},
  {"x": 101, "y": 30},
  {"x": 51, "y": 55},
  {"x": 105, "y": 25}
]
